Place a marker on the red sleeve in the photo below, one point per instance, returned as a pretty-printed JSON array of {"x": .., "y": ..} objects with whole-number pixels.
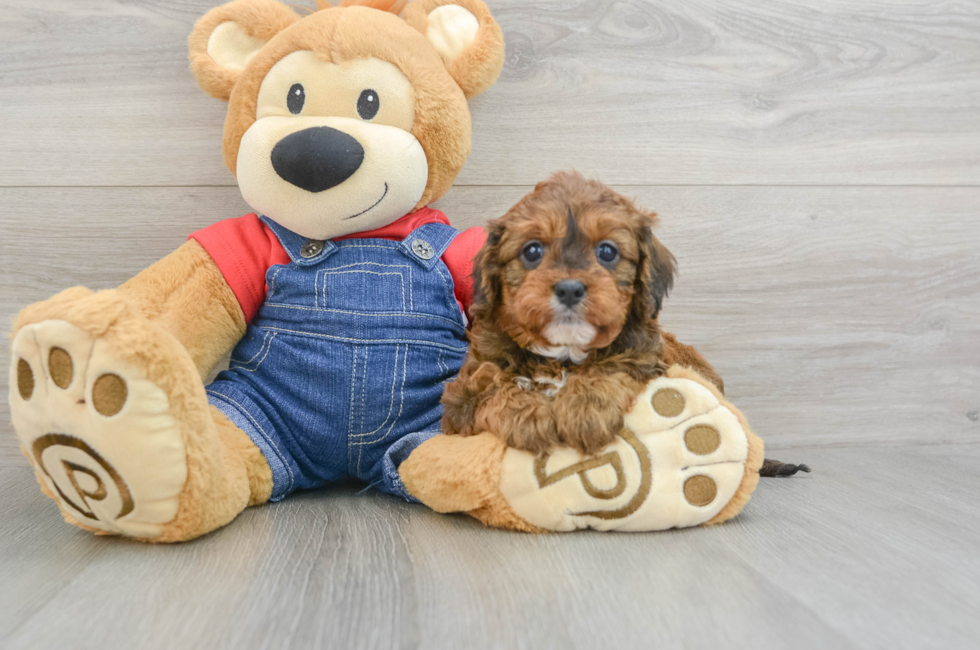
[
  {"x": 459, "y": 259},
  {"x": 244, "y": 249}
]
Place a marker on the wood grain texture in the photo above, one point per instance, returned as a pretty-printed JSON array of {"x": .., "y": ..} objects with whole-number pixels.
[
  {"x": 843, "y": 314},
  {"x": 847, "y": 557},
  {"x": 667, "y": 92},
  {"x": 835, "y": 315}
]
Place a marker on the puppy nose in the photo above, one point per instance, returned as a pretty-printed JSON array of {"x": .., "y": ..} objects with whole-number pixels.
[
  {"x": 317, "y": 158},
  {"x": 570, "y": 292}
]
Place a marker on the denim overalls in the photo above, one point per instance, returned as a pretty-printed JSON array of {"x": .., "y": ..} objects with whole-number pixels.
[{"x": 341, "y": 371}]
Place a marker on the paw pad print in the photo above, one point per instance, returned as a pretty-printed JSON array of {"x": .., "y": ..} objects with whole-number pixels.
[
  {"x": 100, "y": 435},
  {"x": 680, "y": 460}
]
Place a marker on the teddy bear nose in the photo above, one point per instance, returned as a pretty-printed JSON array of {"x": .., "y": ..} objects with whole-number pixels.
[
  {"x": 570, "y": 292},
  {"x": 317, "y": 158}
]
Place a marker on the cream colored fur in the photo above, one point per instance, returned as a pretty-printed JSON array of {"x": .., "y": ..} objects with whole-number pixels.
[{"x": 224, "y": 470}]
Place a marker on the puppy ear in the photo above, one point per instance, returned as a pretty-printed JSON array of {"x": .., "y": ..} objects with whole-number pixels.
[
  {"x": 487, "y": 289},
  {"x": 465, "y": 35},
  {"x": 655, "y": 276},
  {"x": 662, "y": 268},
  {"x": 226, "y": 38}
]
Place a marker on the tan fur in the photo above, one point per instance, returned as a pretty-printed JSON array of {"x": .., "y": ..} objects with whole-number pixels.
[
  {"x": 186, "y": 295},
  {"x": 391, "y": 6},
  {"x": 260, "y": 18},
  {"x": 679, "y": 354},
  {"x": 239, "y": 447},
  {"x": 177, "y": 318},
  {"x": 479, "y": 66},
  {"x": 338, "y": 34},
  {"x": 219, "y": 476},
  {"x": 451, "y": 474}
]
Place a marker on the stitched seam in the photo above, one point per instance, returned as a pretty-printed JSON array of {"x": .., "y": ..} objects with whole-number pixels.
[
  {"x": 401, "y": 400},
  {"x": 364, "y": 372},
  {"x": 370, "y": 341},
  {"x": 450, "y": 296},
  {"x": 272, "y": 280},
  {"x": 268, "y": 439},
  {"x": 366, "y": 313},
  {"x": 350, "y": 414},
  {"x": 266, "y": 345},
  {"x": 350, "y": 266},
  {"x": 320, "y": 285},
  {"x": 398, "y": 275},
  {"x": 387, "y": 248},
  {"x": 444, "y": 367},
  {"x": 411, "y": 290},
  {"x": 435, "y": 234},
  {"x": 391, "y": 404},
  {"x": 360, "y": 425}
]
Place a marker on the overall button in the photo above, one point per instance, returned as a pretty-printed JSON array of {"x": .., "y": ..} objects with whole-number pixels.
[
  {"x": 423, "y": 249},
  {"x": 311, "y": 248}
]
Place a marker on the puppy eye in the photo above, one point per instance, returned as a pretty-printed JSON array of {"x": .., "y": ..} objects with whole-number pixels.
[
  {"x": 532, "y": 253},
  {"x": 607, "y": 252},
  {"x": 296, "y": 98},
  {"x": 368, "y": 104}
]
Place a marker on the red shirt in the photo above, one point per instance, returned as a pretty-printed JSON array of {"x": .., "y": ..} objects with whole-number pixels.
[{"x": 245, "y": 248}]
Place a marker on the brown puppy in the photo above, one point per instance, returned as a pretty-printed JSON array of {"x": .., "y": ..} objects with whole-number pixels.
[
  {"x": 568, "y": 288},
  {"x": 565, "y": 333}
]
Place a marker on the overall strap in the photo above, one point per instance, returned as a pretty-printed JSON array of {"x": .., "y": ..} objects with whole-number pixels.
[
  {"x": 302, "y": 251},
  {"x": 426, "y": 244}
]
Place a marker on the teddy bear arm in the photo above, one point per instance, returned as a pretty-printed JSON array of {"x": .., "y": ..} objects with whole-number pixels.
[{"x": 186, "y": 294}]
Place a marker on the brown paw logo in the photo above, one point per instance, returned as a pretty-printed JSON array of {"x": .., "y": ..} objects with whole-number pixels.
[
  {"x": 678, "y": 461},
  {"x": 615, "y": 461},
  {"x": 80, "y": 474},
  {"x": 699, "y": 490}
]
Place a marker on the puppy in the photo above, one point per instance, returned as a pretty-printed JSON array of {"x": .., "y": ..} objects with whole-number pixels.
[
  {"x": 568, "y": 288},
  {"x": 565, "y": 335}
]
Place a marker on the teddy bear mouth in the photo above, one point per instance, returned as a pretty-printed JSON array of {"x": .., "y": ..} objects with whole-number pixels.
[{"x": 383, "y": 195}]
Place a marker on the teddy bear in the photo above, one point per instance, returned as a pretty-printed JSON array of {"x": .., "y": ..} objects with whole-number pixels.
[{"x": 343, "y": 299}]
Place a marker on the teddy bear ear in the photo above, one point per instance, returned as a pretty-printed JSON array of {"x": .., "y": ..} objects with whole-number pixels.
[
  {"x": 465, "y": 35},
  {"x": 226, "y": 38}
]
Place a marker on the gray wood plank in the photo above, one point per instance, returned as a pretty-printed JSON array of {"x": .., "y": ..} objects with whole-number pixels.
[
  {"x": 835, "y": 315},
  {"x": 666, "y": 92},
  {"x": 877, "y": 548}
]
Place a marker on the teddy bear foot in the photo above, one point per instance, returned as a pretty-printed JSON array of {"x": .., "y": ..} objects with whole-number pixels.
[
  {"x": 686, "y": 457},
  {"x": 108, "y": 410}
]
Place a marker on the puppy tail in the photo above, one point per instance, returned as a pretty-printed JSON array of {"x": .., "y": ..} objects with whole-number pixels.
[{"x": 772, "y": 467}]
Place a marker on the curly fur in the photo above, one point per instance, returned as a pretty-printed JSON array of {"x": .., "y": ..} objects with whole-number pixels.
[{"x": 506, "y": 385}]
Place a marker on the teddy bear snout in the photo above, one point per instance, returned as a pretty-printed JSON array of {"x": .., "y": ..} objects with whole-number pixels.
[{"x": 317, "y": 158}]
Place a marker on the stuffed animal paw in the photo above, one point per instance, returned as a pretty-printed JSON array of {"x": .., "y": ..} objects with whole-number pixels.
[
  {"x": 111, "y": 413},
  {"x": 685, "y": 457}
]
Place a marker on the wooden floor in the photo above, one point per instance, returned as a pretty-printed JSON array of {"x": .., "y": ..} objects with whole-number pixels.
[
  {"x": 817, "y": 169},
  {"x": 876, "y": 549}
]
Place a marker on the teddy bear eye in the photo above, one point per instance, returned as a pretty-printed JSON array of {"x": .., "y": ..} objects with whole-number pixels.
[
  {"x": 607, "y": 253},
  {"x": 368, "y": 104},
  {"x": 532, "y": 253},
  {"x": 296, "y": 98}
]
